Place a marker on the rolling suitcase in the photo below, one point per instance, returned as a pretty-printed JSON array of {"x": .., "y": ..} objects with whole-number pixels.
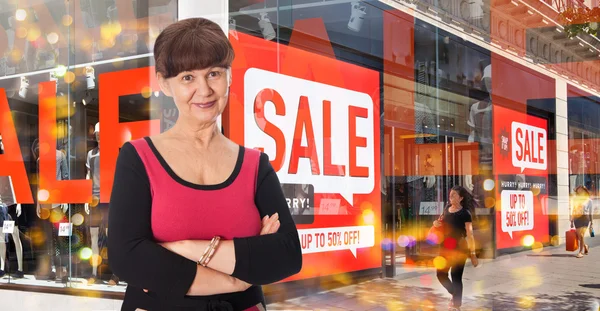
[{"x": 571, "y": 241}]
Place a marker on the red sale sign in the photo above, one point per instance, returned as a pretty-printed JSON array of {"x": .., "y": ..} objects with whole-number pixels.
[
  {"x": 317, "y": 118},
  {"x": 521, "y": 167}
]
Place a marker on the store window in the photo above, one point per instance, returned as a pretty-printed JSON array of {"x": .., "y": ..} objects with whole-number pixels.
[
  {"x": 306, "y": 91},
  {"x": 65, "y": 66}
]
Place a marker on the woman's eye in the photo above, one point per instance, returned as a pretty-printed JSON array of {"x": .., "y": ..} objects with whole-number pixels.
[
  {"x": 187, "y": 78},
  {"x": 214, "y": 74}
]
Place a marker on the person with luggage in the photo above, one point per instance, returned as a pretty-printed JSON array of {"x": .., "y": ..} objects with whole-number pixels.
[
  {"x": 456, "y": 223},
  {"x": 581, "y": 217}
]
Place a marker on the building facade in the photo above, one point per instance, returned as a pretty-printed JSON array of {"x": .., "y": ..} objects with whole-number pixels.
[{"x": 370, "y": 111}]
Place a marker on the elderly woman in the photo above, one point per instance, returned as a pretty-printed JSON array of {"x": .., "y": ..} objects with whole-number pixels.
[{"x": 198, "y": 222}]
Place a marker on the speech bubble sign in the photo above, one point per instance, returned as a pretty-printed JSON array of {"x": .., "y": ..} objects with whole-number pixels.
[
  {"x": 334, "y": 124},
  {"x": 336, "y": 239},
  {"x": 529, "y": 146},
  {"x": 517, "y": 211}
]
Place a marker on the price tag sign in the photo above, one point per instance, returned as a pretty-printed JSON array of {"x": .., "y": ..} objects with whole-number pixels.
[
  {"x": 8, "y": 226},
  {"x": 65, "y": 229}
]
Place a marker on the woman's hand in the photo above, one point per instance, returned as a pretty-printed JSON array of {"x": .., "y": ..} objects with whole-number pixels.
[
  {"x": 270, "y": 224},
  {"x": 474, "y": 259},
  {"x": 437, "y": 223}
]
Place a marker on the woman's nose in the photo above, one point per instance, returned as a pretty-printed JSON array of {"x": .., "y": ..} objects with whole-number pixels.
[{"x": 203, "y": 88}]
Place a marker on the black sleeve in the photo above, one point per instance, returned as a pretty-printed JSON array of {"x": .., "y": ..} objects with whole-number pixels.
[
  {"x": 269, "y": 258},
  {"x": 134, "y": 255},
  {"x": 467, "y": 216}
]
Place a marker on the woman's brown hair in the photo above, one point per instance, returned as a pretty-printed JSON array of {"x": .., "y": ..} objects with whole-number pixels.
[{"x": 191, "y": 44}]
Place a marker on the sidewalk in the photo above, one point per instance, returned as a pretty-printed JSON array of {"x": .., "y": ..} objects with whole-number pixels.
[{"x": 550, "y": 279}]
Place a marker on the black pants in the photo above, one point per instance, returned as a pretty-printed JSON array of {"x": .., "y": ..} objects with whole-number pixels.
[{"x": 455, "y": 264}]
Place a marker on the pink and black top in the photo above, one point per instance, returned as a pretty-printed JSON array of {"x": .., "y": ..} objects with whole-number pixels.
[{"x": 151, "y": 204}]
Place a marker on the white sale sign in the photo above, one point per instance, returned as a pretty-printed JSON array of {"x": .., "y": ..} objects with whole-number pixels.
[
  {"x": 517, "y": 211},
  {"x": 529, "y": 147},
  {"x": 320, "y": 134},
  {"x": 336, "y": 239}
]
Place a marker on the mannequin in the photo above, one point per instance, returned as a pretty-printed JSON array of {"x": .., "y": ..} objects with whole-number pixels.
[
  {"x": 11, "y": 212},
  {"x": 480, "y": 122},
  {"x": 57, "y": 248},
  {"x": 98, "y": 211}
]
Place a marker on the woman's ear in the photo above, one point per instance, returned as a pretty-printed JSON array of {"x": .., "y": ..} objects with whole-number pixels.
[
  {"x": 229, "y": 77},
  {"x": 163, "y": 84}
]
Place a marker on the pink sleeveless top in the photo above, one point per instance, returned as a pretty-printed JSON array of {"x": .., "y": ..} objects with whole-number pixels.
[{"x": 185, "y": 211}]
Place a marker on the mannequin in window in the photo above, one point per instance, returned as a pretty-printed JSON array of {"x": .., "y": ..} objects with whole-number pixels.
[
  {"x": 11, "y": 212},
  {"x": 480, "y": 122},
  {"x": 55, "y": 213},
  {"x": 98, "y": 212}
]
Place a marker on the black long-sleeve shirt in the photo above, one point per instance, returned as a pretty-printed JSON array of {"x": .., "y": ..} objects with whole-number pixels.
[{"x": 135, "y": 256}]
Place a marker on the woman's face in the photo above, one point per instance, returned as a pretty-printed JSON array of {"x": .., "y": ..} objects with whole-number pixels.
[
  {"x": 455, "y": 198},
  {"x": 200, "y": 95}
]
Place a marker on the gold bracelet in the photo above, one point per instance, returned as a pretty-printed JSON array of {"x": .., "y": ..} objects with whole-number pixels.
[
  {"x": 213, "y": 248},
  {"x": 206, "y": 251}
]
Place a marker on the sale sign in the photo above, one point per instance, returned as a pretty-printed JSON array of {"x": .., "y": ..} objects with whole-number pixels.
[
  {"x": 516, "y": 211},
  {"x": 529, "y": 149},
  {"x": 317, "y": 118},
  {"x": 332, "y": 129},
  {"x": 521, "y": 168}
]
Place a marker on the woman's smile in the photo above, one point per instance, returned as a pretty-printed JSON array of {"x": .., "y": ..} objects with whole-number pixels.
[{"x": 205, "y": 105}]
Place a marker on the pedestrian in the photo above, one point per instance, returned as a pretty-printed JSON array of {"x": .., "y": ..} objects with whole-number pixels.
[
  {"x": 581, "y": 217},
  {"x": 456, "y": 223}
]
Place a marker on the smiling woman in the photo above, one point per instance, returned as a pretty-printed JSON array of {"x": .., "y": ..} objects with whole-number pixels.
[{"x": 173, "y": 237}]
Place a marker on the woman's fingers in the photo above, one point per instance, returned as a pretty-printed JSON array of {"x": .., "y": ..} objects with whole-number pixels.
[{"x": 270, "y": 224}]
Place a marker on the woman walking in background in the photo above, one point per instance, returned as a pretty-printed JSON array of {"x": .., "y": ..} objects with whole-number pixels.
[
  {"x": 581, "y": 217},
  {"x": 456, "y": 223}
]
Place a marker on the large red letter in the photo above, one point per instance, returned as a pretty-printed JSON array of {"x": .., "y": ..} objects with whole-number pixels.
[
  {"x": 328, "y": 168},
  {"x": 269, "y": 128},
  {"x": 11, "y": 162},
  {"x": 111, "y": 86},
  {"x": 355, "y": 141},
  {"x": 61, "y": 191},
  {"x": 304, "y": 121}
]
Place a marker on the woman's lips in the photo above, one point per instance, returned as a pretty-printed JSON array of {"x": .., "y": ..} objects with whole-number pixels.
[{"x": 205, "y": 105}]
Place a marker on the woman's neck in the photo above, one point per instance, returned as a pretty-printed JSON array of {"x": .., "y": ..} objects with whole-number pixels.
[{"x": 201, "y": 135}]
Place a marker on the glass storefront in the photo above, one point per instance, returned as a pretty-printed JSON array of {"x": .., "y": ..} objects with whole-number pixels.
[
  {"x": 58, "y": 61},
  {"x": 370, "y": 111}
]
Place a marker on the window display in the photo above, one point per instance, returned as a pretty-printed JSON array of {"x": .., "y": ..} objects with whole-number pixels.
[{"x": 54, "y": 58}]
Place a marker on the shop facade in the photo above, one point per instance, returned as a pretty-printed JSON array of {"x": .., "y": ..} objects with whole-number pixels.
[{"x": 370, "y": 111}]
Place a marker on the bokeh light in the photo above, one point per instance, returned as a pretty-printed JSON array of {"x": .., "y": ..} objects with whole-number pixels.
[
  {"x": 21, "y": 32},
  {"x": 21, "y": 15},
  {"x": 43, "y": 195},
  {"x": 85, "y": 253},
  {"x": 528, "y": 240},
  {"x": 96, "y": 260},
  {"x": 387, "y": 244},
  {"x": 77, "y": 219},
  {"x": 490, "y": 202},
  {"x": 439, "y": 262},
  {"x": 56, "y": 215},
  {"x": 537, "y": 247},
  {"x": 67, "y": 20},
  {"x": 69, "y": 77},
  {"x": 146, "y": 92},
  {"x": 368, "y": 217},
  {"x": 403, "y": 241},
  {"x": 60, "y": 70},
  {"x": 450, "y": 243},
  {"x": 52, "y": 38},
  {"x": 489, "y": 184},
  {"x": 34, "y": 33}
]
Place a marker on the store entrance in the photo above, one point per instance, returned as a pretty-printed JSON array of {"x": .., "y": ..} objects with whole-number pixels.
[{"x": 419, "y": 176}]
